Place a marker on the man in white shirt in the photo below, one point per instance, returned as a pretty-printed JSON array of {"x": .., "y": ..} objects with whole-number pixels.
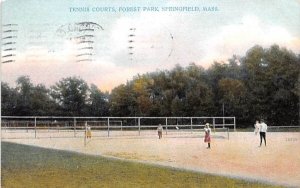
[{"x": 262, "y": 132}]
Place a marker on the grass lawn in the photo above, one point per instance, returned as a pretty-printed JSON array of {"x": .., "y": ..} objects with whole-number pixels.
[{"x": 27, "y": 166}]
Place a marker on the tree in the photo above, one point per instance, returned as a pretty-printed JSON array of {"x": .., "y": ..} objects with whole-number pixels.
[
  {"x": 26, "y": 99},
  {"x": 142, "y": 86},
  {"x": 71, "y": 94},
  {"x": 199, "y": 95},
  {"x": 42, "y": 104},
  {"x": 272, "y": 77},
  {"x": 8, "y": 100},
  {"x": 233, "y": 94},
  {"x": 98, "y": 102},
  {"x": 158, "y": 94},
  {"x": 24, "y": 96},
  {"x": 122, "y": 101}
]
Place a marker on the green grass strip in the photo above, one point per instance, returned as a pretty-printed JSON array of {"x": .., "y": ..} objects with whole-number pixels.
[{"x": 27, "y": 166}]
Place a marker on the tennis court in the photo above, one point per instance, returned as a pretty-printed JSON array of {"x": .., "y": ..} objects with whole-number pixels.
[{"x": 239, "y": 156}]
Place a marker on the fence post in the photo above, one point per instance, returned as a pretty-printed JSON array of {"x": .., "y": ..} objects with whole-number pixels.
[
  {"x": 139, "y": 123},
  {"x": 108, "y": 127},
  {"x": 234, "y": 124},
  {"x": 191, "y": 125},
  {"x": 214, "y": 124},
  {"x": 34, "y": 127}
]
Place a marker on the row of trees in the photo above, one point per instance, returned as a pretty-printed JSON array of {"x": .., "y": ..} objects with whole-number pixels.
[
  {"x": 69, "y": 97},
  {"x": 263, "y": 84}
]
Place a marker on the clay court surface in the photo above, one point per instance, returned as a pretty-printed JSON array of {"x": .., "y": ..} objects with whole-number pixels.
[{"x": 239, "y": 156}]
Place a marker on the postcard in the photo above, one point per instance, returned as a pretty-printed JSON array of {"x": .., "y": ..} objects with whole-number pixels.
[{"x": 161, "y": 93}]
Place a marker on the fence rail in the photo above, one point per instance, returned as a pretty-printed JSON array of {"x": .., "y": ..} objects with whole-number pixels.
[{"x": 111, "y": 124}]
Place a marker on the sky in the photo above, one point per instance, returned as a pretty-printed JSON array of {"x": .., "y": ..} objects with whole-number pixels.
[{"x": 51, "y": 40}]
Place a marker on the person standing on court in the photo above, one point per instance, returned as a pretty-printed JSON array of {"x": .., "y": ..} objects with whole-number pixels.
[
  {"x": 89, "y": 132},
  {"x": 262, "y": 132},
  {"x": 207, "y": 131},
  {"x": 256, "y": 127},
  {"x": 159, "y": 131}
]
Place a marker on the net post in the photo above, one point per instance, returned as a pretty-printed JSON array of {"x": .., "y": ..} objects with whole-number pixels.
[
  {"x": 139, "y": 123},
  {"x": 214, "y": 124},
  {"x": 34, "y": 127},
  {"x": 74, "y": 127},
  {"x": 85, "y": 133},
  {"x": 121, "y": 125},
  {"x": 57, "y": 127},
  {"x": 223, "y": 114},
  {"x": 166, "y": 126},
  {"x": 108, "y": 127},
  {"x": 227, "y": 133}
]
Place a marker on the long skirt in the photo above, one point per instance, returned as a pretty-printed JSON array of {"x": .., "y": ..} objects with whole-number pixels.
[
  {"x": 89, "y": 134},
  {"x": 207, "y": 138},
  {"x": 160, "y": 134}
]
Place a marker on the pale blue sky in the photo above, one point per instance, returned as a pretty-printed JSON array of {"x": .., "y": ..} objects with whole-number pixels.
[{"x": 162, "y": 39}]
